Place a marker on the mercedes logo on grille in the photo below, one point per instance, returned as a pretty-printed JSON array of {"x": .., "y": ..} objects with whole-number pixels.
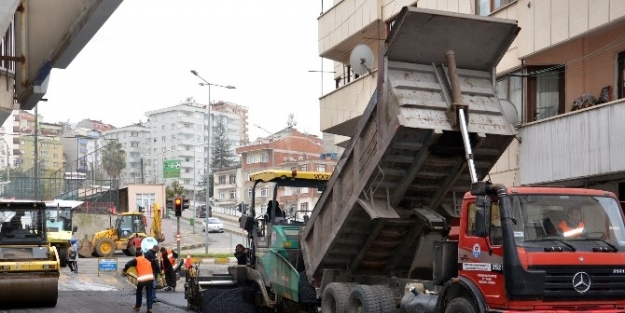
[{"x": 581, "y": 282}]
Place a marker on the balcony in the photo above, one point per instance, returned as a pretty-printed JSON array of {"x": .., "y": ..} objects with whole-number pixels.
[
  {"x": 569, "y": 148},
  {"x": 344, "y": 26},
  {"x": 341, "y": 109}
]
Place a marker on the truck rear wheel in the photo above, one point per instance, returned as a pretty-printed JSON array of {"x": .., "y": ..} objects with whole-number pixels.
[
  {"x": 460, "y": 305},
  {"x": 334, "y": 298},
  {"x": 386, "y": 298},
  {"x": 363, "y": 299}
]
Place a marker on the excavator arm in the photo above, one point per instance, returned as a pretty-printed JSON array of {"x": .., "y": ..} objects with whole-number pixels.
[{"x": 156, "y": 231}]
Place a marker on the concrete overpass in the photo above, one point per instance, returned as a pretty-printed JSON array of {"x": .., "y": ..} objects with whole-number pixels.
[{"x": 40, "y": 35}]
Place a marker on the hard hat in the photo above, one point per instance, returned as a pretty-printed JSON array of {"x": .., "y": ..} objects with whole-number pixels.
[{"x": 73, "y": 241}]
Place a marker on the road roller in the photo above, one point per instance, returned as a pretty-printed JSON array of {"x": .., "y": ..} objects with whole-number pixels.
[{"x": 29, "y": 265}]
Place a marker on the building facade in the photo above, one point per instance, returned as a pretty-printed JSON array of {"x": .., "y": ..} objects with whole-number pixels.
[
  {"x": 288, "y": 149},
  {"x": 564, "y": 72},
  {"x": 228, "y": 186},
  {"x": 181, "y": 133},
  {"x": 134, "y": 140}
]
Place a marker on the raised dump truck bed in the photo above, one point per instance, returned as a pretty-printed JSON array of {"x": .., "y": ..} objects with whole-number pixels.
[{"x": 387, "y": 201}]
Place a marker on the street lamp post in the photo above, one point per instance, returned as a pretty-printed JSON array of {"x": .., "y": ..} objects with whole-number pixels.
[{"x": 208, "y": 168}]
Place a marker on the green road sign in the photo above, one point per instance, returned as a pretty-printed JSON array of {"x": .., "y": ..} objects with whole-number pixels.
[{"x": 171, "y": 169}]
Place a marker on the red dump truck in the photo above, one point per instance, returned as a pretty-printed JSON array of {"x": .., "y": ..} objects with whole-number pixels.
[{"x": 406, "y": 222}]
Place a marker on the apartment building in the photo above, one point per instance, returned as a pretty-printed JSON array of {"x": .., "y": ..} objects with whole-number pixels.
[
  {"x": 49, "y": 154},
  {"x": 565, "y": 74},
  {"x": 228, "y": 186},
  {"x": 237, "y": 123},
  {"x": 180, "y": 132},
  {"x": 134, "y": 140},
  {"x": 287, "y": 149}
]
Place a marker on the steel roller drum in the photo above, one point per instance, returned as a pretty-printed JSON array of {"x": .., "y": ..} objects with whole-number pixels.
[
  {"x": 32, "y": 290},
  {"x": 147, "y": 243}
]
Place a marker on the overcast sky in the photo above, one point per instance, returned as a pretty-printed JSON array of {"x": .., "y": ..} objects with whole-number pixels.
[{"x": 140, "y": 60}]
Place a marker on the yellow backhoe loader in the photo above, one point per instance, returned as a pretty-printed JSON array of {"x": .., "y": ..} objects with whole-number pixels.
[
  {"x": 126, "y": 235},
  {"x": 29, "y": 265}
]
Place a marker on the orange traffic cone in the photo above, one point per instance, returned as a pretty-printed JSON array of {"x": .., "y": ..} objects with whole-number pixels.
[{"x": 187, "y": 262}]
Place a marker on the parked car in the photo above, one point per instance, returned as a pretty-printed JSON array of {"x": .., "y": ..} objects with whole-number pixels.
[
  {"x": 213, "y": 224},
  {"x": 200, "y": 211}
]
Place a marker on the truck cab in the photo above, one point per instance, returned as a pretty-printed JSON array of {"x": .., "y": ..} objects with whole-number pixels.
[{"x": 543, "y": 248}]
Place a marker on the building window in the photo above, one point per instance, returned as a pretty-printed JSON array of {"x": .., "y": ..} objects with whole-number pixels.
[
  {"x": 303, "y": 167},
  {"x": 162, "y": 138},
  {"x": 222, "y": 195},
  {"x": 486, "y": 7},
  {"x": 233, "y": 194},
  {"x": 233, "y": 179},
  {"x": 511, "y": 89},
  {"x": 321, "y": 167},
  {"x": 249, "y": 193},
  {"x": 264, "y": 192},
  {"x": 545, "y": 88},
  {"x": 264, "y": 158},
  {"x": 222, "y": 179},
  {"x": 303, "y": 206},
  {"x": 187, "y": 181},
  {"x": 145, "y": 201},
  {"x": 621, "y": 75},
  {"x": 250, "y": 159},
  {"x": 304, "y": 190}
]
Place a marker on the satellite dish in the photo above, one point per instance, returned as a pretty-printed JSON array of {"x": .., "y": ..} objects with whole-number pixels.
[
  {"x": 509, "y": 111},
  {"x": 291, "y": 122},
  {"x": 361, "y": 59}
]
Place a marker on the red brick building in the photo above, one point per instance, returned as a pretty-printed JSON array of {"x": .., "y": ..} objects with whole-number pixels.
[{"x": 287, "y": 149}]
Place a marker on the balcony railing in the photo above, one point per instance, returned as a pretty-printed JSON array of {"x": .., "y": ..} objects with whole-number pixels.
[
  {"x": 346, "y": 104},
  {"x": 575, "y": 145}
]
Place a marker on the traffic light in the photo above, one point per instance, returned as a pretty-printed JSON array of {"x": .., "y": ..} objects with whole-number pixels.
[
  {"x": 185, "y": 204},
  {"x": 178, "y": 206}
]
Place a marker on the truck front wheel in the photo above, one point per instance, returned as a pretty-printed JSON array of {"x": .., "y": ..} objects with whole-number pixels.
[{"x": 460, "y": 305}]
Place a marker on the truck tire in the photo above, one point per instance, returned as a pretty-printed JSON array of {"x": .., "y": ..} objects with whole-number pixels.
[
  {"x": 105, "y": 247},
  {"x": 334, "y": 298},
  {"x": 364, "y": 298},
  {"x": 386, "y": 298},
  {"x": 460, "y": 305},
  {"x": 63, "y": 256}
]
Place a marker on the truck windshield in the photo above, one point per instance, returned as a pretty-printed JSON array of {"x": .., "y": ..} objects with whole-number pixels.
[
  {"x": 548, "y": 217},
  {"x": 60, "y": 222}
]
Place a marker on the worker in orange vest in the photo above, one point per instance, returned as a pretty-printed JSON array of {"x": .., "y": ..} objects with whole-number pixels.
[
  {"x": 573, "y": 226},
  {"x": 168, "y": 260},
  {"x": 145, "y": 279}
]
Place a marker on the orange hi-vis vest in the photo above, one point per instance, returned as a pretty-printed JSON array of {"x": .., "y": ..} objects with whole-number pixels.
[
  {"x": 170, "y": 256},
  {"x": 570, "y": 231},
  {"x": 144, "y": 269}
]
